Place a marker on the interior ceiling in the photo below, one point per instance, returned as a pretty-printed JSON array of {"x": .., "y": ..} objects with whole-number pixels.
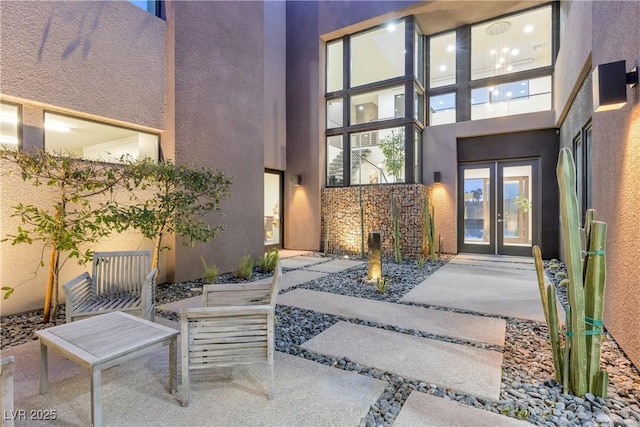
[{"x": 435, "y": 16}]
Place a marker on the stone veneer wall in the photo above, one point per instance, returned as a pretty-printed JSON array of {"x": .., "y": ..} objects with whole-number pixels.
[{"x": 341, "y": 214}]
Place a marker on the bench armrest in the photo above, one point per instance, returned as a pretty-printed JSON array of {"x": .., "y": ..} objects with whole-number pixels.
[{"x": 148, "y": 296}]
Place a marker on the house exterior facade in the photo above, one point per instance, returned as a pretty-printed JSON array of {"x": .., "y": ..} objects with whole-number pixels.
[{"x": 314, "y": 99}]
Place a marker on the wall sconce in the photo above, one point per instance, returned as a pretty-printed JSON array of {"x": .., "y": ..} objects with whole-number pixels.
[
  {"x": 437, "y": 177},
  {"x": 296, "y": 180},
  {"x": 610, "y": 85}
]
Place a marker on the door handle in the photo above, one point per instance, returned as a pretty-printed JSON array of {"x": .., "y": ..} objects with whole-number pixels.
[{"x": 501, "y": 220}]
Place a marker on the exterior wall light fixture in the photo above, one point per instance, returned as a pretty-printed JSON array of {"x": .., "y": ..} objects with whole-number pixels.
[
  {"x": 437, "y": 177},
  {"x": 610, "y": 85},
  {"x": 296, "y": 180}
]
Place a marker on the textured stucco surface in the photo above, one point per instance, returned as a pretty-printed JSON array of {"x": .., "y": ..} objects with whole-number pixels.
[
  {"x": 616, "y": 176},
  {"x": 219, "y": 102},
  {"x": 101, "y": 58},
  {"x": 609, "y": 31}
]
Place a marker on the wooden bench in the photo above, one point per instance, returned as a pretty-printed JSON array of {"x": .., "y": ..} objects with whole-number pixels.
[
  {"x": 122, "y": 281},
  {"x": 235, "y": 327}
]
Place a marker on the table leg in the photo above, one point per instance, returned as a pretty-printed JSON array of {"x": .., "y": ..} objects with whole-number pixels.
[
  {"x": 173, "y": 362},
  {"x": 96, "y": 398},
  {"x": 44, "y": 371}
]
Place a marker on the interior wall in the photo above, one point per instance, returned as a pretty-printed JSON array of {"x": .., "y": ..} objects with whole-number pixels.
[{"x": 219, "y": 120}]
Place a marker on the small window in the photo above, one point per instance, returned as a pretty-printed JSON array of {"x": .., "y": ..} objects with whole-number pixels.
[
  {"x": 334, "y": 66},
  {"x": 334, "y": 113},
  {"x": 335, "y": 161},
  {"x": 9, "y": 122},
  {"x": 525, "y": 96},
  {"x": 378, "y": 54},
  {"x": 97, "y": 141},
  {"x": 418, "y": 57},
  {"x": 151, "y": 6},
  {"x": 442, "y": 109},
  {"x": 442, "y": 63},
  {"x": 379, "y": 105}
]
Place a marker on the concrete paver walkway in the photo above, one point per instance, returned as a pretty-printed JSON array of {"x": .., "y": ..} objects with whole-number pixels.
[
  {"x": 300, "y": 261},
  {"x": 422, "y": 409},
  {"x": 136, "y": 393},
  {"x": 446, "y": 323},
  {"x": 335, "y": 266},
  {"x": 462, "y": 368},
  {"x": 493, "y": 289}
]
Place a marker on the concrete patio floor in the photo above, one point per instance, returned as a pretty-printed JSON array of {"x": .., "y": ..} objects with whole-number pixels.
[{"x": 307, "y": 393}]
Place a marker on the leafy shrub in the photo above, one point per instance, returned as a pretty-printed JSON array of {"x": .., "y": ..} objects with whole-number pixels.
[
  {"x": 268, "y": 262},
  {"x": 244, "y": 269},
  {"x": 210, "y": 272}
]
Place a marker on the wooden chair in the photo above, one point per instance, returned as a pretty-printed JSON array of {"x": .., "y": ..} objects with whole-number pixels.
[
  {"x": 122, "y": 281},
  {"x": 6, "y": 372},
  {"x": 235, "y": 327}
]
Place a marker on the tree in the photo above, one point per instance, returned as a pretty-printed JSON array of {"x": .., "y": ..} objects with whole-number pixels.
[
  {"x": 74, "y": 219},
  {"x": 392, "y": 147},
  {"x": 181, "y": 197}
]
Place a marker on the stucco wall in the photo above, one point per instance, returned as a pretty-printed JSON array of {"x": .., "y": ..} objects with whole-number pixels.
[
  {"x": 101, "y": 58},
  {"x": 616, "y": 176},
  {"x": 219, "y": 120},
  {"x": 275, "y": 84},
  {"x": 96, "y": 60}
]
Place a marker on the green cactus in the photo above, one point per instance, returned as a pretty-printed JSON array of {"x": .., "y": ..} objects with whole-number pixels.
[
  {"x": 395, "y": 217},
  {"x": 578, "y": 366},
  {"x": 429, "y": 228},
  {"x": 570, "y": 220}
]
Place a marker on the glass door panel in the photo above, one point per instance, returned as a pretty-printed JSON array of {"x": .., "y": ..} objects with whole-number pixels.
[
  {"x": 476, "y": 208},
  {"x": 518, "y": 205},
  {"x": 273, "y": 209}
]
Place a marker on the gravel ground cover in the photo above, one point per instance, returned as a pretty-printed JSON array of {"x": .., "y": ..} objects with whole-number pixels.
[{"x": 528, "y": 390}]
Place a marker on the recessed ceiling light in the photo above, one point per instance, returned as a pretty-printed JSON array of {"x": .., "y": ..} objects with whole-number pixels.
[
  {"x": 498, "y": 65},
  {"x": 496, "y": 92},
  {"x": 391, "y": 27},
  {"x": 514, "y": 52},
  {"x": 443, "y": 68},
  {"x": 528, "y": 28},
  {"x": 441, "y": 102},
  {"x": 501, "y": 60},
  {"x": 523, "y": 84},
  {"x": 450, "y": 48},
  {"x": 509, "y": 94},
  {"x": 505, "y": 49},
  {"x": 361, "y": 108},
  {"x": 492, "y": 52},
  {"x": 510, "y": 68},
  {"x": 522, "y": 91}
]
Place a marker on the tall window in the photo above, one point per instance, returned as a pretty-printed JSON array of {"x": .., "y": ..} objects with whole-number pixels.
[
  {"x": 9, "y": 124},
  {"x": 154, "y": 7},
  {"x": 97, "y": 141},
  {"x": 496, "y": 68},
  {"x": 375, "y": 105},
  {"x": 582, "y": 152}
]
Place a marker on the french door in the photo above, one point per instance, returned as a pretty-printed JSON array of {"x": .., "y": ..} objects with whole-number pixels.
[
  {"x": 498, "y": 207},
  {"x": 273, "y": 209}
]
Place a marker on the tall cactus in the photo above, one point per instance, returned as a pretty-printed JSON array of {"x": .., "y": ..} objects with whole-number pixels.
[
  {"x": 429, "y": 227},
  {"x": 395, "y": 218},
  {"x": 578, "y": 364},
  {"x": 570, "y": 219}
]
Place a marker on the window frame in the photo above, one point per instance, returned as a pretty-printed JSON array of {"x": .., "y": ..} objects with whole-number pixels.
[
  {"x": 19, "y": 124},
  {"x": 409, "y": 121},
  {"x": 157, "y": 159},
  {"x": 464, "y": 85}
]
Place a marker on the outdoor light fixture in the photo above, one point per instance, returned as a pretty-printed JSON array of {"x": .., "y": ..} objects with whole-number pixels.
[
  {"x": 297, "y": 180},
  {"x": 437, "y": 177},
  {"x": 610, "y": 85}
]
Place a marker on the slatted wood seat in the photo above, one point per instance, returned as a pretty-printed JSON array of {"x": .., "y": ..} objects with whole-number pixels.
[
  {"x": 235, "y": 327},
  {"x": 122, "y": 281}
]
